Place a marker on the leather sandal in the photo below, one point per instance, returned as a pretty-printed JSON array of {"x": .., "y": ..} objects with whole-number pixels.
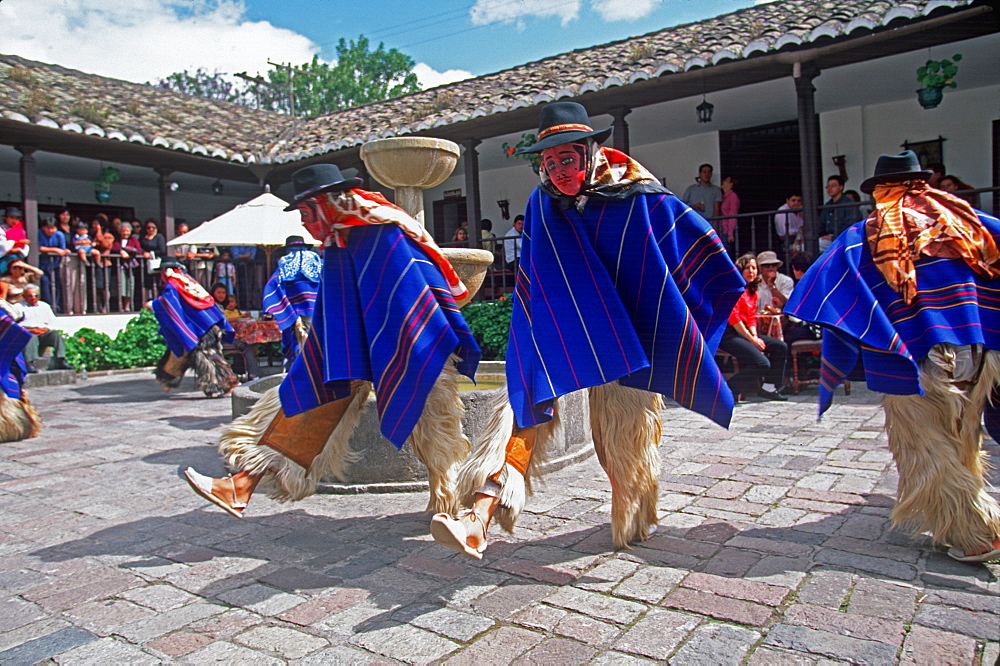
[
  {"x": 988, "y": 555},
  {"x": 202, "y": 485},
  {"x": 450, "y": 533}
]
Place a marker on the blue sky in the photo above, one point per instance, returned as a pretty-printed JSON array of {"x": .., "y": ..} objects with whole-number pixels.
[{"x": 142, "y": 40}]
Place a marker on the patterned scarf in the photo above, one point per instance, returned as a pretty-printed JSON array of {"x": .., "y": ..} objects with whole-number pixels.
[
  {"x": 911, "y": 218},
  {"x": 189, "y": 289},
  {"x": 339, "y": 211},
  {"x": 298, "y": 262},
  {"x": 611, "y": 174}
]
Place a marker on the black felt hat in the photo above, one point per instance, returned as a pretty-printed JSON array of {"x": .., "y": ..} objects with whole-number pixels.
[
  {"x": 563, "y": 122},
  {"x": 895, "y": 169},
  {"x": 171, "y": 263},
  {"x": 13, "y": 212},
  {"x": 316, "y": 179}
]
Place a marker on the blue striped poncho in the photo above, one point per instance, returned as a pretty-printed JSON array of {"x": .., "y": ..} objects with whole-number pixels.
[
  {"x": 289, "y": 295},
  {"x": 384, "y": 314},
  {"x": 13, "y": 338},
  {"x": 864, "y": 318},
  {"x": 637, "y": 290},
  {"x": 182, "y": 324}
]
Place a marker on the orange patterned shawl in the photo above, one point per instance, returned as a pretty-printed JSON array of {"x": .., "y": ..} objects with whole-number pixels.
[{"x": 911, "y": 218}]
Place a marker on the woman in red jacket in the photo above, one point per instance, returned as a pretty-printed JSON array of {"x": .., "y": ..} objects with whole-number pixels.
[{"x": 760, "y": 357}]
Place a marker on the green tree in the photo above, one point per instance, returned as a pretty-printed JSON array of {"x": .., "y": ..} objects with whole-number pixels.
[{"x": 359, "y": 76}]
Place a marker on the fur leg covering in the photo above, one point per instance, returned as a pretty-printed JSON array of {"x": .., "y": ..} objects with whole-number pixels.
[
  {"x": 936, "y": 441},
  {"x": 213, "y": 376},
  {"x": 626, "y": 427},
  {"x": 488, "y": 459},
  {"x": 287, "y": 480},
  {"x": 438, "y": 440},
  {"x": 301, "y": 328},
  {"x": 169, "y": 372},
  {"x": 18, "y": 419}
]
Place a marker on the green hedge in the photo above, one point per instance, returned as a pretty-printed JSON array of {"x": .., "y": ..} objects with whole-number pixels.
[
  {"x": 490, "y": 324},
  {"x": 138, "y": 345}
]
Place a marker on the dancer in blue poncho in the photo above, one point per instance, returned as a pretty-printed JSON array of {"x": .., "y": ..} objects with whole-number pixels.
[
  {"x": 290, "y": 294},
  {"x": 18, "y": 419},
  {"x": 192, "y": 326},
  {"x": 386, "y": 314},
  {"x": 621, "y": 289},
  {"x": 913, "y": 292}
]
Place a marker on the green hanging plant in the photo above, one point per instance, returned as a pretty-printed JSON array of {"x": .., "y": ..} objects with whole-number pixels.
[
  {"x": 102, "y": 188},
  {"x": 534, "y": 159}
]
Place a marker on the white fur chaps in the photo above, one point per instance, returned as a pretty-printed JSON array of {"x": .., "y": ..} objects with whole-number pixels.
[
  {"x": 626, "y": 429},
  {"x": 437, "y": 441},
  {"x": 18, "y": 419},
  {"x": 936, "y": 441}
]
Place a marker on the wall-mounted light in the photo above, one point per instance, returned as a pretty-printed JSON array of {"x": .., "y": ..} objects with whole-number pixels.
[
  {"x": 174, "y": 186},
  {"x": 704, "y": 110},
  {"x": 217, "y": 187},
  {"x": 504, "y": 208}
]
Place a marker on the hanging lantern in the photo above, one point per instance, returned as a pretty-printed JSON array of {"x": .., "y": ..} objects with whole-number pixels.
[{"x": 705, "y": 111}]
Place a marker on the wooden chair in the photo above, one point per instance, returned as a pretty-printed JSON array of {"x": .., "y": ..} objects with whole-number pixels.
[{"x": 807, "y": 348}]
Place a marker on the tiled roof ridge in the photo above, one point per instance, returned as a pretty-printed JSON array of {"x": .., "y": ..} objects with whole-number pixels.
[
  {"x": 773, "y": 27},
  {"x": 214, "y": 128}
]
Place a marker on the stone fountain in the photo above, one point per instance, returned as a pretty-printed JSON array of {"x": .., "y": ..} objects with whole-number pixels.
[{"x": 409, "y": 165}]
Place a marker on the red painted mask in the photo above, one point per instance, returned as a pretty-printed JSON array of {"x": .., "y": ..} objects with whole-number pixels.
[{"x": 564, "y": 165}]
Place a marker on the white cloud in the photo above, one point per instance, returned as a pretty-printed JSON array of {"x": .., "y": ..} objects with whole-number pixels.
[
  {"x": 485, "y": 12},
  {"x": 429, "y": 77},
  {"x": 624, "y": 10},
  {"x": 143, "y": 40}
]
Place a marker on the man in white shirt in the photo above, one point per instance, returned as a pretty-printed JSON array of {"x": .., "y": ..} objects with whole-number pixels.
[
  {"x": 512, "y": 243},
  {"x": 789, "y": 225},
  {"x": 775, "y": 287},
  {"x": 41, "y": 321}
]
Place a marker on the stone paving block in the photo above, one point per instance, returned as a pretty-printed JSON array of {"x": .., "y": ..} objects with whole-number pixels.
[
  {"x": 149, "y": 628},
  {"x": 929, "y": 646},
  {"x": 450, "y": 623},
  {"x": 281, "y": 641},
  {"x": 427, "y": 565},
  {"x": 613, "y": 658},
  {"x": 649, "y": 584},
  {"x": 846, "y": 624},
  {"x": 877, "y": 565},
  {"x": 770, "y": 545},
  {"x": 540, "y": 616},
  {"x": 765, "y": 494},
  {"x": 657, "y": 634},
  {"x": 294, "y": 579},
  {"x": 47, "y": 646},
  {"x": 715, "y": 643},
  {"x": 343, "y": 654},
  {"x": 605, "y": 576},
  {"x": 587, "y": 630},
  {"x": 843, "y": 648},
  {"x": 223, "y": 652},
  {"x": 103, "y": 617},
  {"x": 261, "y": 599},
  {"x": 105, "y": 651},
  {"x": 769, "y": 595},
  {"x": 158, "y": 597},
  {"x": 15, "y": 612},
  {"x": 721, "y": 608},
  {"x": 596, "y": 605},
  {"x": 959, "y": 621},
  {"x": 403, "y": 642},
  {"x": 991, "y": 654},
  {"x": 507, "y": 600},
  {"x": 317, "y": 608},
  {"x": 503, "y": 646},
  {"x": 727, "y": 490},
  {"x": 765, "y": 656},
  {"x": 560, "y": 651},
  {"x": 731, "y": 562},
  {"x": 884, "y": 600}
]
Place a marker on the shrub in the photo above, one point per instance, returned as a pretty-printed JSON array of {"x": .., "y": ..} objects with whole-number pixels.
[
  {"x": 490, "y": 324},
  {"x": 137, "y": 345}
]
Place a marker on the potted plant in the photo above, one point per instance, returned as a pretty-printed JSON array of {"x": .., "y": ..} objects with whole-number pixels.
[
  {"x": 533, "y": 159},
  {"x": 934, "y": 76}
]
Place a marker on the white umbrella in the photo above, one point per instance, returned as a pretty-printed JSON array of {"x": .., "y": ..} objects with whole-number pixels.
[{"x": 260, "y": 221}]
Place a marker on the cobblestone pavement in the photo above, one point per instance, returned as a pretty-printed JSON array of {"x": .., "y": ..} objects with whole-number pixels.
[{"x": 774, "y": 547}]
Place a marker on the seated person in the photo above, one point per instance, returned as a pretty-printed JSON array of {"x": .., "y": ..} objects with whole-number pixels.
[
  {"x": 18, "y": 276},
  {"x": 761, "y": 357},
  {"x": 232, "y": 309},
  {"x": 220, "y": 293},
  {"x": 40, "y": 321}
]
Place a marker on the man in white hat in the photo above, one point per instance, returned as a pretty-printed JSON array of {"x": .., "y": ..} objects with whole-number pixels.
[{"x": 775, "y": 287}]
